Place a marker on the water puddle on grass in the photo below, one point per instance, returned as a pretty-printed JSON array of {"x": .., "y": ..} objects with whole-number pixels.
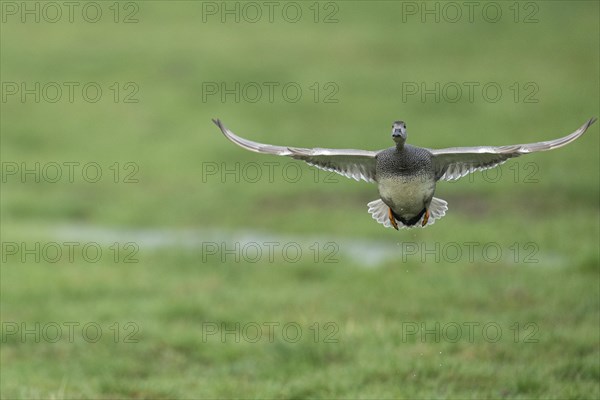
[
  {"x": 367, "y": 253},
  {"x": 249, "y": 244}
]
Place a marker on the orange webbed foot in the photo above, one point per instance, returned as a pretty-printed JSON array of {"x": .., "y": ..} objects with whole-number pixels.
[
  {"x": 392, "y": 219},
  {"x": 425, "y": 218}
]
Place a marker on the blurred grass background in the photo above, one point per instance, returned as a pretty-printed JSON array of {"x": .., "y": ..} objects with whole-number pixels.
[{"x": 374, "y": 48}]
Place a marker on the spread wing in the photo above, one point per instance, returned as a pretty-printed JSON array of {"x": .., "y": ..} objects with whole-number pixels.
[
  {"x": 355, "y": 164},
  {"x": 456, "y": 162}
]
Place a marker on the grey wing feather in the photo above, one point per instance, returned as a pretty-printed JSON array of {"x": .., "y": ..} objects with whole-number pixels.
[
  {"x": 355, "y": 164},
  {"x": 456, "y": 162}
]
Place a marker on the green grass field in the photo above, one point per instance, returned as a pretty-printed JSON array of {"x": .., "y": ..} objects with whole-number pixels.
[{"x": 145, "y": 256}]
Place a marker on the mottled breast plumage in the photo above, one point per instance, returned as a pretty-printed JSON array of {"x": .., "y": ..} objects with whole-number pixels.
[{"x": 410, "y": 162}]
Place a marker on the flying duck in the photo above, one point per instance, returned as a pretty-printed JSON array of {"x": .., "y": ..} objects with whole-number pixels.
[{"x": 406, "y": 175}]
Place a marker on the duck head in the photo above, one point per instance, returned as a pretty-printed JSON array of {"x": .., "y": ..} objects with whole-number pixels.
[{"x": 399, "y": 133}]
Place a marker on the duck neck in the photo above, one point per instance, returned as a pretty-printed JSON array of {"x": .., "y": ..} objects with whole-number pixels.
[{"x": 399, "y": 146}]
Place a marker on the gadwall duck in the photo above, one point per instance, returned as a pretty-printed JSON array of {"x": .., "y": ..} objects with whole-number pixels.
[{"x": 406, "y": 175}]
